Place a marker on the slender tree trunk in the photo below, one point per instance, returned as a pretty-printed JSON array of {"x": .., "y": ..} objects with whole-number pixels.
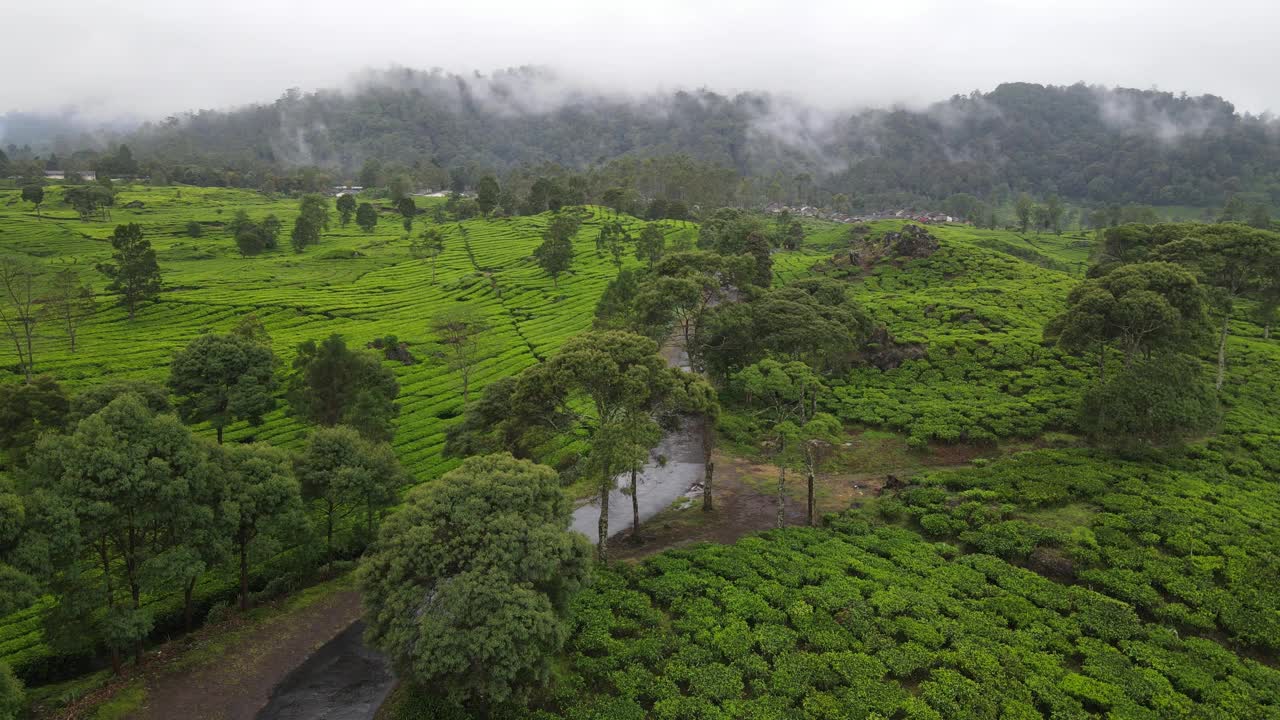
[
  {"x": 602, "y": 543},
  {"x": 1222, "y": 352},
  {"x": 244, "y": 573},
  {"x": 635, "y": 507},
  {"x": 1266, "y": 331},
  {"x": 328, "y": 535},
  {"x": 31, "y": 358},
  {"x": 809, "y": 466},
  {"x": 708, "y": 474},
  {"x": 187, "y": 610},
  {"x": 1102, "y": 362},
  {"x": 219, "y": 434},
  {"x": 433, "y": 271},
  {"x": 111, "y": 600},
  {"x": 708, "y": 467},
  {"x": 782, "y": 498}
]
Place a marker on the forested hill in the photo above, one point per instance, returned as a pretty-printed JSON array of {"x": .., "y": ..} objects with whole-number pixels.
[{"x": 1080, "y": 142}]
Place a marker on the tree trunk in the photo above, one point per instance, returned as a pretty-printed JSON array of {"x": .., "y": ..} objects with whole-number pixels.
[
  {"x": 635, "y": 507},
  {"x": 1266, "y": 332},
  {"x": 782, "y": 500},
  {"x": 602, "y": 543},
  {"x": 187, "y": 610},
  {"x": 219, "y": 434},
  {"x": 709, "y": 467},
  {"x": 328, "y": 535},
  {"x": 808, "y": 451},
  {"x": 1102, "y": 362},
  {"x": 1222, "y": 352},
  {"x": 244, "y": 574},
  {"x": 708, "y": 474}
]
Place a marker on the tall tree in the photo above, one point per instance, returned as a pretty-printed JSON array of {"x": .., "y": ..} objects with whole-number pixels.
[
  {"x": 33, "y": 194},
  {"x": 220, "y": 378},
  {"x": 113, "y": 490},
  {"x": 1022, "y": 209},
  {"x": 555, "y": 254},
  {"x": 1137, "y": 309},
  {"x": 1235, "y": 261},
  {"x": 612, "y": 387},
  {"x": 1053, "y": 211},
  {"x": 69, "y": 301},
  {"x": 407, "y": 209},
  {"x": 345, "y": 473},
  {"x": 468, "y": 586},
  {"x": 460, "y": 332},
  {"x": 367, "y": 217},
  {"x": 313, "y": 219},
  {"x": 260, "y": 497},
  {"x": 333, "y": 385},
  {"x": 487, "y": 193},
  {"x": 346, "y": 204},
  {"x": 430, "y": 244},
  {"x": 133, "y": 272},
  {"x": 651, "y": 244},
  {"x": 785, "y": 396},
  {"x": 18, "y": 309}
]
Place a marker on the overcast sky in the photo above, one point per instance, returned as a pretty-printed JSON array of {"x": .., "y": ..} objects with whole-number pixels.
[{"x": 155, "y": 57}]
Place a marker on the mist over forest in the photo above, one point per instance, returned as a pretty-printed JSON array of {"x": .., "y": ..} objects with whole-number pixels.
[{"x": 1081, "y": 142}]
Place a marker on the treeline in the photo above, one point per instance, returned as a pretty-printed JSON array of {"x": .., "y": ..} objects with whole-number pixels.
[
  {"x": 116, "y": 511},
  {"x": 1158, "y": 298},
  {"x": 1078, "y": 142}
]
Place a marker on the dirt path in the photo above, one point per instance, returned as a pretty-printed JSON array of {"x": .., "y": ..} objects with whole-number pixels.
[
  {"x": 745, "y": 502},
  {"x": 230, "y": 674}
]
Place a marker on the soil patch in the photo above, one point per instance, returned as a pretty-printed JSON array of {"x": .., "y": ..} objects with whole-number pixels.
[{"x": 229, "y": 671}]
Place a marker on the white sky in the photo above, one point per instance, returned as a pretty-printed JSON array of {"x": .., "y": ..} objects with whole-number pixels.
[{"x": 155, "y": 57}]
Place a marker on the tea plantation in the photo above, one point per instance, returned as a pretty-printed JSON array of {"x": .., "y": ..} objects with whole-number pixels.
[
  {"x": 364, "y": 286},
  {"x": 1059, "y": 582}
]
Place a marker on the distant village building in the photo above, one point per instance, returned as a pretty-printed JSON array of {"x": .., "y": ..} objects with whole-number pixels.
[
  {"x": 88, "y": 175},
  {"x": 345, "y": 190}
]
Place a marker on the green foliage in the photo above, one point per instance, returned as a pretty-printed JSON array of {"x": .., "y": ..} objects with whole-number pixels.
[
  {"x": 195, "y": 229},
  {"x": 114, "y": 496},
  {"x": 346, "y": 206},
  {"x": 1165, "y": 397},
  {"x": 259, "y": 499},
  {"x": 28, "y": 410},
  {"x": 555, "y": 254},
  {"x": 333, "y": 385},
  {"x": 221, "y": 378},
  {"x": 133, "y": 272},
  {"x": 467, "y": 588},
  {"x": 347, "y": 473},
  {"x": 367, "y": 217},
  {"x": 1142, "y": 533},
  {"x": 95, "y": 397},
  {"x": 11, "y": 704},
  {"x": 849, "y": 622}
]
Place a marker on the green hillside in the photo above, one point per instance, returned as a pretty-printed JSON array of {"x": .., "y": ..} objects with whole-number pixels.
[{"x": 1047, "y": 579}]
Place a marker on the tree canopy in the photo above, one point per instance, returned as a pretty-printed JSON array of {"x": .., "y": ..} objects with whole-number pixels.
[
  {"x": 334, "y": 385},
  {"x": 468, "y": 585}
]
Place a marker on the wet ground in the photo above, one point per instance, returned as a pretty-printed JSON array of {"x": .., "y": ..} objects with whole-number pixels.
[
  {"x": 343, "y": 680},
  {"x": 674, "y": 466}
]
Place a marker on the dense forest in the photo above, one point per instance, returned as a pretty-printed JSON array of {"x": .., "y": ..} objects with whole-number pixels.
[{"x": 1080, "y": 142}]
